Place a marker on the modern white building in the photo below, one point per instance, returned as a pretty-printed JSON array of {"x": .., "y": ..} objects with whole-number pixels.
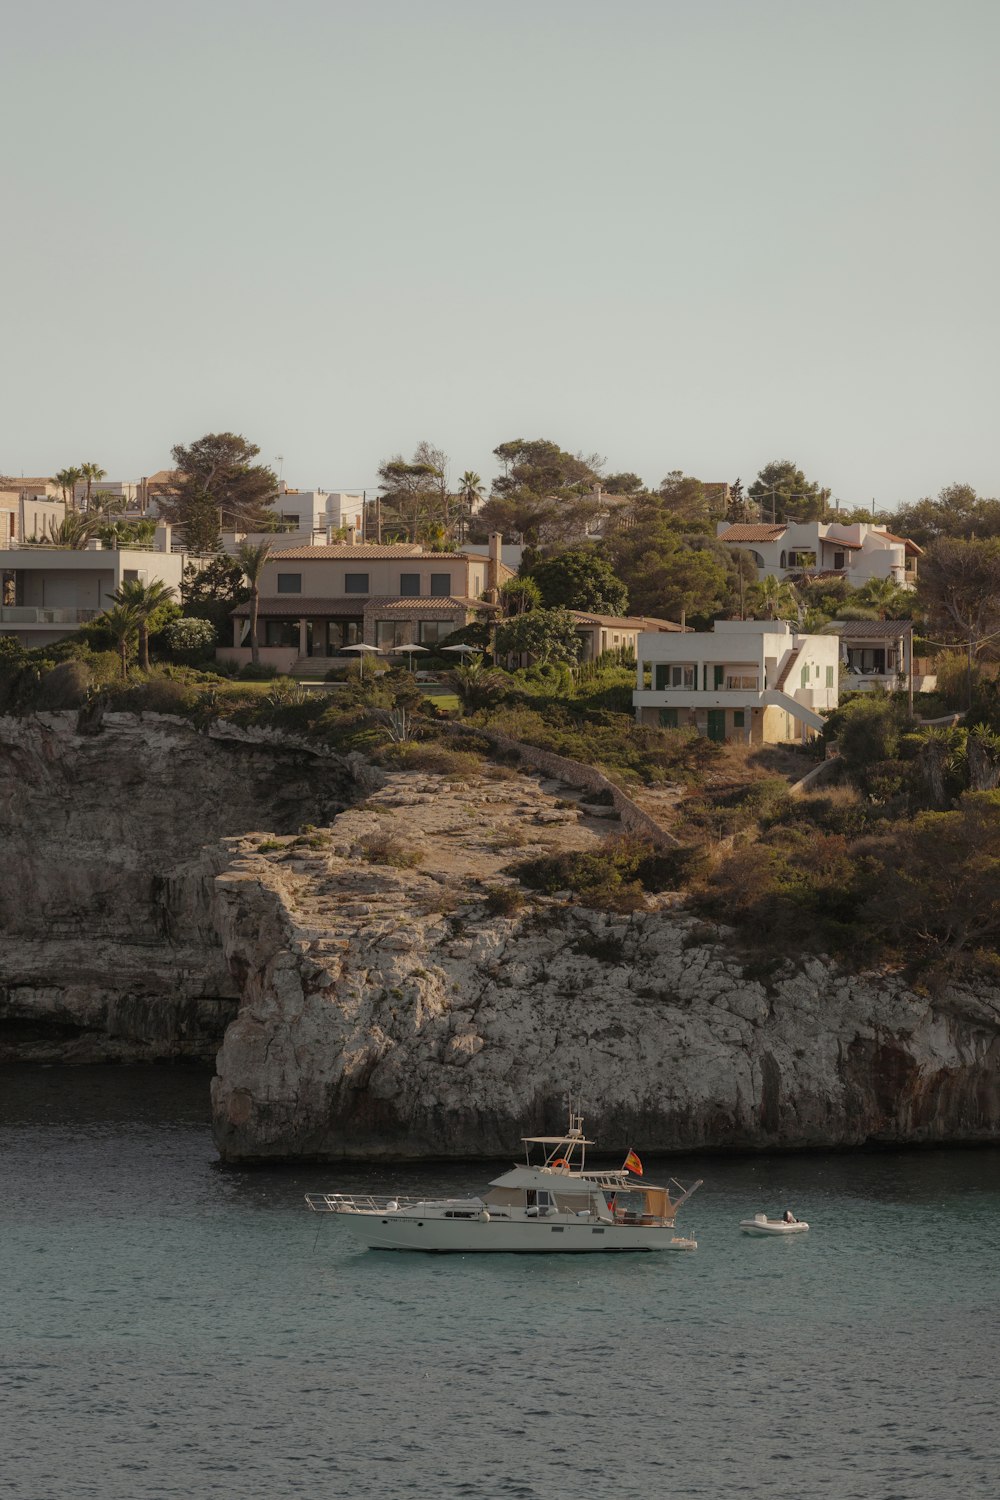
[
  {"x": 46, "y": 593},
  {"x": 753, "y": 680},
  {"x": 809, "y": 549},
  {"x": 879, "y": 654},
  {"x": 319, "y": 512}
]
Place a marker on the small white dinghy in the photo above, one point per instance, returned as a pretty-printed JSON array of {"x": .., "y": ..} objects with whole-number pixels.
[{"x": 761, "y": 1224}]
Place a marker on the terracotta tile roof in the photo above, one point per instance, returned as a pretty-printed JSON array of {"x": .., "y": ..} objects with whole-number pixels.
[
  {"x": 906, "y": 541},
  {"x": 749, "y": 533},
  {"x": 625, "y": 622},
  {"x": 836, "y": 541},
  {"x": 364, "y": 552},
  {"x": 295, "y": 606},
  {"x": 399, "y": 606},
  {"x": 870, "y": 630}
]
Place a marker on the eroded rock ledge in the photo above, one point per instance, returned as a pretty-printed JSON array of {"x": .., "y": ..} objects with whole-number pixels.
[
  {"x": 385, "y": 1013},
  {"x": 111, "y": 845}
]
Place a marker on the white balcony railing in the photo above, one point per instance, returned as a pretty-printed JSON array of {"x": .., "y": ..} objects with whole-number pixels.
[{"x": 18, "y": 614}]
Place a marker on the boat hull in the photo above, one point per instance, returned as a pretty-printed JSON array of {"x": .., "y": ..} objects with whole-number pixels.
[
  {"x": 771, "y": 1227},
  {"x": 500, "y": 1237}
]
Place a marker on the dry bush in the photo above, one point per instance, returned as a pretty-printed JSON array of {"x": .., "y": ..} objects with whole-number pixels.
[
  {"x": 430, "y": 756},
  {"x": 65, "y": 686},
  {"x": 389, "y": 849},
  {"x": 503, "y": 900}
]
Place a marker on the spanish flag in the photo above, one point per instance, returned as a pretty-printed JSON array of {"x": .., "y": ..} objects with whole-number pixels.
[{"x": 633, "y": 1164}]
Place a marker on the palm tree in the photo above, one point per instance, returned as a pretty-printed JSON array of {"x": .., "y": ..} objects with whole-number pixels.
[
  {"x": 91, "y": 473},
  {"x": 885, "y": 596},
  {"x": 73, "y": 531},
  {"x": 470, "y": 489},
  {"x": 775, "y": 599},
  {"x": 142, "y": 600},
  {"x": 121, "y": 624},
  {"x": 252, "y": 559},
  {"x": 67, "y": 480}
]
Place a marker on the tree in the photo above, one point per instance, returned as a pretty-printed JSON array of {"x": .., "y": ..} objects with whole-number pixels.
[
  {"x": 73, "y": 531},
  {"x": 957, "y": 512},
  {"x": 412, "y": 490},
  {"x": 959, "y": 588},
  {"x": 665, "y": 572},
  {"x": 941, "y": 879},
  {"x": 782, "y": 491},
  {"x": 886, "y": 598},
  {"x": 543, "y": 494},
  {"x": 741, "y": 508},
  {"x": 470, "y": 491},
  {"x": 91, "y": 473},
  {"x": 142, "y": 600},
  {"x": 214, "y": 591},
  {"x": 773, "y": 599},
  {"x": 67, "y": 480},
  {"x": 623, "y": 484},
  {"x": 546, "y": 635},
  {"x": 251, "y": 560},
  {"x": 687, "y": 502},
  {"x": 580, "y": 579},
  {"x": 122, "y": 626},
  {"x": 218, "y": 486},
  {"x": 519, "y": 595}
]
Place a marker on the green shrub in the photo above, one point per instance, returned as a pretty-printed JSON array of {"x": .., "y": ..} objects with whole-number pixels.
[
  {"x": 615, "y": 876},
  {"x": 64, "y": 686},
  {"x": 190, "y": 639},
  {"x": 503, "y": 900},
  {"x": 261, "y": 672}
]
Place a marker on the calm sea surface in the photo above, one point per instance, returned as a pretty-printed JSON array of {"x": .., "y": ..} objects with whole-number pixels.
[{"x": 171, "y": 1328}]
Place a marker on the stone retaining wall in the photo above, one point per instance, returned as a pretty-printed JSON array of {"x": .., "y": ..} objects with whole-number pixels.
[{"x": 585, "y": 778}]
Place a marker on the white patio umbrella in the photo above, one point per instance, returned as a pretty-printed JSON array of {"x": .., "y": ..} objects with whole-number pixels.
[
  {"x": 464, "y": 650},
  {"x": 409, "y": 649},
  {"x": 361, "y": 648}
]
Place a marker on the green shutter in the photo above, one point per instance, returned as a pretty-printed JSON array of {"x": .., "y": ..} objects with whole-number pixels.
[
  {"x": 738, "y": 718},
  {"x": 720, "y": 676},
  {"x": 829, "y": 677},
  {"x": 661, "y": 673}
]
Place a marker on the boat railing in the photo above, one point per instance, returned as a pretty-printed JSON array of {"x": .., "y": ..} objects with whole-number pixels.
[{"x": 357, "y": 1203}]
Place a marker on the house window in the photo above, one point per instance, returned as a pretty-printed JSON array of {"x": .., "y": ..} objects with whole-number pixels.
[
  {"x": 743, "y": 682},
  {"x": 668, "y": 718},
  {"x": 738, "y": 718},
  {"x": 838, "y": 559},
  {"x": 669, "y": 676},
  {"x": 281, "y": 632},
  {"x": 356, "y": 583},
  {"x": 289, "y": 523},
  {"x": 440, "y": 585},
  {"x": 804, "y": 677},
  {"x": 432, "y": 631},
  {"x": 829, "y": 677},
  {"x": 341, "y": 633},
  {"x": 289, "y": 583},
  {"x": 389, "y": 633},
  {"x": 409, "y": 585}
]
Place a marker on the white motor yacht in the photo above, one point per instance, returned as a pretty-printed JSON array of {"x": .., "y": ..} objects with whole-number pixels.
[{"x": 551, "y": 1203}]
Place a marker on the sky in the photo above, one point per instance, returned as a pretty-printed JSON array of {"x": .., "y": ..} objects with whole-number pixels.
[{"x": 685, "y": 234}]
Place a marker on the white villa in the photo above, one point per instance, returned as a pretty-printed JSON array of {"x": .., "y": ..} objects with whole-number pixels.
[
  {"x": 808, "y": 549},
  {"x": 47, "y": 593},
  {"x": 753, "y": 680}
]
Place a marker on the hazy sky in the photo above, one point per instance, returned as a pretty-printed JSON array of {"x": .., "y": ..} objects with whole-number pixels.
[{"x": 693, "y": 235}]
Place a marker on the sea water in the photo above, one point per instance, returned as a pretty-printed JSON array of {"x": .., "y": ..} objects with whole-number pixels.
[{"x": 175, "y": 1328}]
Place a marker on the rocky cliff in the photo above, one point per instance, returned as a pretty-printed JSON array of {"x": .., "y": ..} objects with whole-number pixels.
[
  {"x": 156, "y": 892},
  {"x": 387, "y": 1013},
  {"x": 111, "y": 845}
]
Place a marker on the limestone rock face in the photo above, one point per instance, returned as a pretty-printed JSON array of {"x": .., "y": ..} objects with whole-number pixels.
[
  {"x": 384, "y": 1016},
  {"x": 111, "y": 846}
]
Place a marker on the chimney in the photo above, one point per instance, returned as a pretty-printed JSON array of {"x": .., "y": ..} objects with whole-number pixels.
[
  {"x": 352, "y": 536},
  {"x": 493, "y": 565}
]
